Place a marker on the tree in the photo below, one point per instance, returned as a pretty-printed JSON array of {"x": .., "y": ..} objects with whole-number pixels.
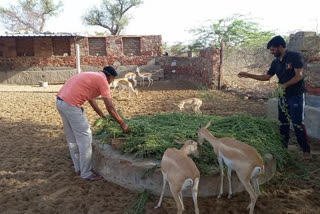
[
  {"x": 234, "y": 31},
  {"x": 29, "y": 14},
  {"x": 245, "y": 42},
  {"x": 111, "y": 15},
  {"x": 178, "y": 49}
]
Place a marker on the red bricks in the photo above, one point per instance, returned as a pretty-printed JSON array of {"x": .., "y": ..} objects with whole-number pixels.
[{"x": 26, "y": 52}]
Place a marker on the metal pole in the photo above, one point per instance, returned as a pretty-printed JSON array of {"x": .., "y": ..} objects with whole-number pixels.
[{"x": 78, "y": 58}]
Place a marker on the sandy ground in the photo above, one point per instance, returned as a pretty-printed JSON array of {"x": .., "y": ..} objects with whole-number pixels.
[{"x": 36, "y": 173}]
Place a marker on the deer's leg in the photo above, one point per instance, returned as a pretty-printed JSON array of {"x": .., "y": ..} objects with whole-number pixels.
[
  {"x": 175, "y": 191},
  {"x": 253, "y": 196},
  {"x": 229, "y": 181},
  {"x": 221, "y": 176},
  {"x": 135, "y": 82},
  {"x": 256, "y": 184},
  {"x": 198, "y": 108},
  {"x": 194, "y": 108},
  {"x": 164, "y": 182},
  {"x": 195, "y": 195},
  {"x": 129, "y": 92},
  {"x": 150, "y": 83}
]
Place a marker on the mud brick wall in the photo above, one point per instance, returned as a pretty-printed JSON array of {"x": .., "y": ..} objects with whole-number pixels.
[
  {"x": 61, "y": 46},
  {"x": 43, "y": 47},
  {"x": 24, "y": 47},
  {"x": 308, "y": 43},
  {"x": 204, "y": 70},
  {"x": 131, "y": 46},
  {"x": 20, "y": 55},
  {"x": 8, "y": 47},
  {"x": 47, "y": 51},
  {"x": 97, "y": 46}
]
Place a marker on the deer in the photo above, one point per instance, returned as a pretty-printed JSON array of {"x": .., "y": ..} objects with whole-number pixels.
[
  {"x": 126, "y": 84},
  {"x": 194, "y": 103},
  {"x": 180, "y": 171},
  {"x": 115, "y": 82},
  {"x": 131, "y": 76},
  {"x": 237, "y": 156},
  {"x": 145, "y": 75}
]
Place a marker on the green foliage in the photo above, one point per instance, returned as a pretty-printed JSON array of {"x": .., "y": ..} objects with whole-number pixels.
[
  {"x": 32, "y": 14},
  {"x": 177, "y": 49},
  {"x": 235, "y": 31},
  {"x": 138, "y": 206},
  {"x": 152, "y": 135},
  {"x": 111, "y": 15}
]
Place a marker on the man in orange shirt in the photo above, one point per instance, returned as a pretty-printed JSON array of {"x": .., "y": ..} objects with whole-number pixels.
[{"x": 80, "y": 88}]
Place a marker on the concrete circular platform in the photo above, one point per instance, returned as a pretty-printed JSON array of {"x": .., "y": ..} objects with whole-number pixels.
[{"x": 127, "y": 172}]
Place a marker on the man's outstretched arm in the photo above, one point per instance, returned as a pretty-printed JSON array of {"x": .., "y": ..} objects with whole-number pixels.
[
  {"x": 112, "y": 111},
  {"x": 260, "y": 77}
]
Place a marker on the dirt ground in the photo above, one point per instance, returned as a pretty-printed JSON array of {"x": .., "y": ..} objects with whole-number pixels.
[{"x": 36, "y": 173}]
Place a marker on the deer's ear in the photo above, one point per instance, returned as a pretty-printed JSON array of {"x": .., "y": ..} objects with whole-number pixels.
[
  {"x": 208, "y": 124},
  {"x": 179, "y": 141}
]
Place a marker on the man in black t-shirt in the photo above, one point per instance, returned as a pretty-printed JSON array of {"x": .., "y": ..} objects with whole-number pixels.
[{"x": 288, "y": 66}]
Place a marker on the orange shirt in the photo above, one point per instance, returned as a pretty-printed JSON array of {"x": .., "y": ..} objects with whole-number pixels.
[{"x": 84, "y": 86}]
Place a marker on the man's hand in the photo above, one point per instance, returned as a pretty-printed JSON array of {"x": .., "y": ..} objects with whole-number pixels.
[
  {"x": 125, "y": 128},
  {"x": 243, "y": 74}
]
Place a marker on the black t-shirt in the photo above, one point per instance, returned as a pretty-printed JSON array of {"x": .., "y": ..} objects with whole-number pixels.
[{"x": 285, "y": 71}]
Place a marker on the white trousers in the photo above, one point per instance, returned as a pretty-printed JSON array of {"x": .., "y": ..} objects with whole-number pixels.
[{"x": 79, "y": 137}]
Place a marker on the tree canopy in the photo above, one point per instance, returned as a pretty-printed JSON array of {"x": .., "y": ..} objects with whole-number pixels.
[
  {"x": 235, "y": 31},
  {"x": 29, "y": 14},
  {"x": 111, "y": 15}
]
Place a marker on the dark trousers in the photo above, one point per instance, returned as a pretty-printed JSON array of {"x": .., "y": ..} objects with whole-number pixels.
[{"x": 291, "y": 110}]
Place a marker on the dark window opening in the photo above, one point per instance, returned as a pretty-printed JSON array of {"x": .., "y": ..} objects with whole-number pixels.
[
  {"x": 131, "y": 46},
  {"x": 61, "y": 46},
  {"x": 24, "y": 46},
  {"x": 97, "y": 46}
]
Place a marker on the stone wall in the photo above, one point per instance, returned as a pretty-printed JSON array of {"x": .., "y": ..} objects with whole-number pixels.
[
  {"x": 21, "y": 55},
  {"x": 308, "y": 43},
  {"x": 203, "y": 70}
]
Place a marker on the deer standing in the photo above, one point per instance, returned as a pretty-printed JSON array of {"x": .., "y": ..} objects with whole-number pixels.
[
  {"x": 180, "y": 171},
  {"x": 131, "y": 76},
  {"x": 194, "y": 103},
  {"x": 145, "y": 75},
  {"x": 238, "y": 156}
]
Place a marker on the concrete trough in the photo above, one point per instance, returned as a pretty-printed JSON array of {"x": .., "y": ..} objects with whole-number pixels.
[
  {"x": 127, "y": 172},
  {"x": 312, "y": 114}
]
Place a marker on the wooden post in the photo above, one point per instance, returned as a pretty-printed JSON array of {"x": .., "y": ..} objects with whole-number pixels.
[{"x": 220, "y": 81}]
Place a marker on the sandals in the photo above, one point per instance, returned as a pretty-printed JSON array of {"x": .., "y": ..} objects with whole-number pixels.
[{"x": 94, "y": 177}]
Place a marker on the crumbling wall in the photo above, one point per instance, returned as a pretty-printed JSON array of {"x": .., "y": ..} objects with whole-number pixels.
[
  {"x": 203, "y": 70},
  {"x": 52, "y": 53},
  {"x": 308, "y": 43}
]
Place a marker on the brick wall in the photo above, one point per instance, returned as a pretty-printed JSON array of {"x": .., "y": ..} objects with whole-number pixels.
[
  {"x": 8, "y": 47},
  {"x": 43, "y": 47},
  {"x": 48, "y": 52},
  {"x": 97, "y": 46},
  {"x": 131, "y": 46},
  {"x": 61, "y": 46},
  {"x": 203, "y": 69},
  {"x": 24, "y": 46},
  {"x": 308, "y": 43}
]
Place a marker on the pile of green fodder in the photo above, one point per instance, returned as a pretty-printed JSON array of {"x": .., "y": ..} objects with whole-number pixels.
[{"x": 151, "y": 135}]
